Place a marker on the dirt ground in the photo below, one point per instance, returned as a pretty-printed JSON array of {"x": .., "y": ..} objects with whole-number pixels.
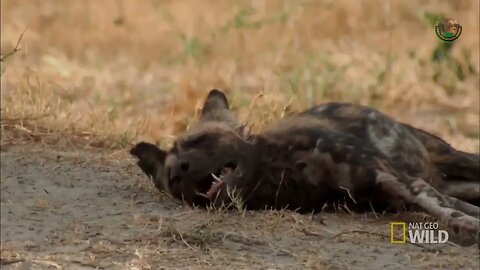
[{"x": 84, "y": 209}]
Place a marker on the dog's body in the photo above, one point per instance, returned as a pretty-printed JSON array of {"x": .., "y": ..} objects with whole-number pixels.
[{"x": 336, "y": 152}]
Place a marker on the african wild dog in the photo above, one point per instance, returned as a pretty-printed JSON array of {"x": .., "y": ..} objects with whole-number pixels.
[{"x": 330, "y": 153}]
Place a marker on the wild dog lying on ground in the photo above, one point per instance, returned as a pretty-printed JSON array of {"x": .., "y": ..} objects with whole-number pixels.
[{"x": 330, "y": 153}]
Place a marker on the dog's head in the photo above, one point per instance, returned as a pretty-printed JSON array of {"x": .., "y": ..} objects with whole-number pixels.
[{"x": 195, "y": 169}]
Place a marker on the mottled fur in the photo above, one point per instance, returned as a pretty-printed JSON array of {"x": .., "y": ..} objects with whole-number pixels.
[{"x": 336, "y": 152}]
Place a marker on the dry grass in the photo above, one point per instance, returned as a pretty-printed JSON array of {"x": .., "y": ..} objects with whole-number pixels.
[{"x": 117, "y": 71}]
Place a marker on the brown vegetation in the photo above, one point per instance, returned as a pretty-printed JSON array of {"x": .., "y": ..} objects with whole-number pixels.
[{"x": 119, "y": 71}]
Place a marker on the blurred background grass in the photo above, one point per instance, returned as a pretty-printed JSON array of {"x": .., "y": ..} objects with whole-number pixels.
[{"x": 118, "y": 71}]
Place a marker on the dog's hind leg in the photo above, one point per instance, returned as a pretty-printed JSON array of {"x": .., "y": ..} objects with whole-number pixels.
[
  {"x": 446, "y": 209},
  {"x": 462, "y": 190},
  {"x": 463, "y": 206}
]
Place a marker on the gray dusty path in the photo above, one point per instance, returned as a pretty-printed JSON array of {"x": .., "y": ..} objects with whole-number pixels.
[{"x": 86, "y": 210}]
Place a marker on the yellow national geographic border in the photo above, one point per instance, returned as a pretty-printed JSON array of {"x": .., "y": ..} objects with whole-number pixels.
[{"x": 404, "y": 232}]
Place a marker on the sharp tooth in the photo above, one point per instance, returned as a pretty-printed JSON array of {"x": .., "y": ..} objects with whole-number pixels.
[
  {"x": 202, "y": 194},
  {"x": 218, "y": 179}
]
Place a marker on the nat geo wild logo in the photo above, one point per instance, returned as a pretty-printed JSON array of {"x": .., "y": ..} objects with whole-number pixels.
[
  {"x": 417, "y": 232},
  {"x": 448, "y": 29}
]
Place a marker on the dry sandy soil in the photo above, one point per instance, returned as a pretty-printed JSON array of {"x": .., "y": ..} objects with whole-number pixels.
[{"x": 89, "y": 210}]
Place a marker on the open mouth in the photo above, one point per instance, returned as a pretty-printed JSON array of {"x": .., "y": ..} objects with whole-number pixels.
[{"x": 209, "y": 186}]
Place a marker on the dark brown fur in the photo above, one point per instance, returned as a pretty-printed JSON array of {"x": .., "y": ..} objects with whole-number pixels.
[{"x": 336, "y": 152}]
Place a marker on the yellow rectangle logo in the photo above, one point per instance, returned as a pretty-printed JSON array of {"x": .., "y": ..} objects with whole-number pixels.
[{"x": 392, "y": 232}]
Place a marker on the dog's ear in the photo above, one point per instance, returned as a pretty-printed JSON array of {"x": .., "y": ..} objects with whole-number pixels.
[
  {"x": 215, "y": 108},
  {"x": 151, "y": 160},
  {"x": 216, "y": 100}
]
